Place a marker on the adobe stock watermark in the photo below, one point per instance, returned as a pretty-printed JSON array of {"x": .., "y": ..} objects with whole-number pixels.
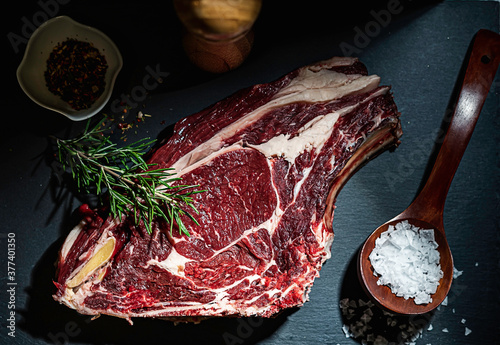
[
  {"x": 71, "y": 329},
  {"x": 151, "y": 80},
  {"x": 424, "y": 320},
  {"x": 363, "y": 36},
  {"x": 419, "y": 155},
  {"x": 246, "y": 327},
  {"x": 11, "y": 283},
  {"x": 48, "y": 10},
  {"x": 408, "y": 164}
]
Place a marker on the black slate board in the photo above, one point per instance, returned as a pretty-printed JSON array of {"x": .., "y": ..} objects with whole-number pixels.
[{"x": 419, "y": 51}]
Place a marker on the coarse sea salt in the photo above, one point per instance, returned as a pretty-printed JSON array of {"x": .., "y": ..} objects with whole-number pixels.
[{"x": 406, "y": 259}]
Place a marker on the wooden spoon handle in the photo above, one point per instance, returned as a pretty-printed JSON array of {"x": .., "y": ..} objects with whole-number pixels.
[{"x": 481, "y": 69}]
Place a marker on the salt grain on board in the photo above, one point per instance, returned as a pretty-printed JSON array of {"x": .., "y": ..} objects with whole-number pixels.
[
  {"x": 456, "y": 273},
  {"x": 364, "y": 320},
  {"x": 406, "y": 259},
  {"x": 445, "y": 301}
]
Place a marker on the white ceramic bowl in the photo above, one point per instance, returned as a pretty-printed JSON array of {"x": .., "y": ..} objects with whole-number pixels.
[{"x": 30, "y": 72}]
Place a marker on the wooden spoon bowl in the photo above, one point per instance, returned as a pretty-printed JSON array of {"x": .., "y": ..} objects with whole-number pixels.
[
  {"x": 426, "y": 211},
  {"x": 382, "y": 294}
]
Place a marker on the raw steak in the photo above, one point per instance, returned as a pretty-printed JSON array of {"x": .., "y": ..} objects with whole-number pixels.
[{"x": 271, "y": 159}]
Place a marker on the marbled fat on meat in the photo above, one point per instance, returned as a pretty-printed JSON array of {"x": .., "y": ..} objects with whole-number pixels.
[{"x": 272, "y": 159}]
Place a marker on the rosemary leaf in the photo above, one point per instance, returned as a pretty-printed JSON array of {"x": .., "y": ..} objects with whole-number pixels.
[{"x": 130, "y": 183}]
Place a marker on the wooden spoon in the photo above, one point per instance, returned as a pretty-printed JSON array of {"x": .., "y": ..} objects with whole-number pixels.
[{"x": 426, "y": 211}]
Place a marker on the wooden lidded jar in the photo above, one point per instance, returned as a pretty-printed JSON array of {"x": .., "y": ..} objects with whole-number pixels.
[{"x": 218, "y": 34}]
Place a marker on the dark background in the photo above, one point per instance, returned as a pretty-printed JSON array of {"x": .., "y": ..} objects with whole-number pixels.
[{"x": 419, "y": 52}]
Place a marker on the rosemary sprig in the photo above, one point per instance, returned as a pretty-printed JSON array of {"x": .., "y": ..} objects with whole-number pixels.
[{"x": 131, "y": 184}]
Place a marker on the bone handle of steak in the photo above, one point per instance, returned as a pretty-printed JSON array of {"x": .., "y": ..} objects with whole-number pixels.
[
  {"x": 377, "y": 142},
  {"x": 481, "y": 69}
]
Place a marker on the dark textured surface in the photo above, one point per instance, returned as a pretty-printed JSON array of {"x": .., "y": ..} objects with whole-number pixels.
[{"x": 419, "y": 51}]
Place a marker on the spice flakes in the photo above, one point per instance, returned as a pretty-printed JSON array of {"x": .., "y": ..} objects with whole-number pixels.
[{"x": 75, "y": 72}]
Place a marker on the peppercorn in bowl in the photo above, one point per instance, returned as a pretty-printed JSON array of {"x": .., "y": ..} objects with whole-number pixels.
[{"x": 69, "y": 68}]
